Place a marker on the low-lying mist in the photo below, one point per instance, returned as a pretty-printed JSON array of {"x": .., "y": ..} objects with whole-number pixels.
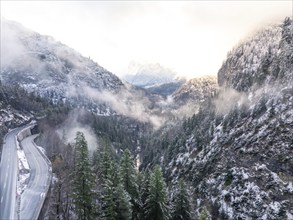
[
  {"x": 67, "y": 131},
  {"x": 128, "y": 104},
  {"x": 227, "y": 98}
]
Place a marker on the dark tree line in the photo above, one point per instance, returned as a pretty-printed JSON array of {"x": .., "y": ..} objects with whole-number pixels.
[
  {"x": 22, "y": 100},
  {"x": 104, "y": 187}
]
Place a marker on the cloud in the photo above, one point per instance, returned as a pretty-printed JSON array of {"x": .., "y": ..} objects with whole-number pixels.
[
  {"x": 11, "y": 47},
  {"x": 23, "y": 49},
  {"x": 190, "y": 37},
  {"x": 126, "y": 103},
  {"x": 228, "y": 98},
  {"x": 68, "y": 130}
]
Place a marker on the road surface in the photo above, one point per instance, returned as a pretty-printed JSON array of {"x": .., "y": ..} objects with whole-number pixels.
[
  {"x": 32, "y": 198},
  {"x": 8, "y": 176}
]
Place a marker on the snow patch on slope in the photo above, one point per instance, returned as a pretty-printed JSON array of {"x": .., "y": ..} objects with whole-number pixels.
[{"x": 23, "y": 170}]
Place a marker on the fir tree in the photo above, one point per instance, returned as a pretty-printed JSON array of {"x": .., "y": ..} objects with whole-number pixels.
[
  {"x": 128, "y": 174},
  {"x": 203, "y": 214},
  {"x": 181, "y": 209},
  {"x": 108, "y": 201},
  {"x": 122, "y": 203},
  {"x": 97, "y": 162},
  {"x": 129, "y": 181},
  {"x": 144, "y": 190},
  {"x": 83, "y": 180},
  {"x": 106, "y": 165},
  {"x": 110, "y": 179},
  {"x": 156, "y": 202},
  {"x": 115, "y": 199}
]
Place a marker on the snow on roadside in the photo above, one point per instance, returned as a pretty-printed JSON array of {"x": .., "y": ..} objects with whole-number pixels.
[
  {"x": 42, "y": 149},
  {"x": 23, "y": 170},
  {"x": 23, "y": 164}
]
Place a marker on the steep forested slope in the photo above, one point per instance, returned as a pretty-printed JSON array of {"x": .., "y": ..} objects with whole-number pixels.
[
  {"x": 18, "y": 107},
  {"x": 236, "y": 152}
]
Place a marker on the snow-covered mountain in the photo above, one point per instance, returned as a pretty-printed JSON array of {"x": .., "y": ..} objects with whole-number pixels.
[
  {"x": 188, "y": 98},
  {"x": 196, "y": 90},
  {"x": 50, "y": 68},
  {"x": 154, "y": 77},
  {"x": 236, "y": 151},
  {"x": 53, "y": 70},
  {"x": 258, "y": 61}
]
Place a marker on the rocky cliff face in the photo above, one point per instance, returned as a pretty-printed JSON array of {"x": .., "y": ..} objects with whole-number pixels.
[{"x": 237, "y": 151}]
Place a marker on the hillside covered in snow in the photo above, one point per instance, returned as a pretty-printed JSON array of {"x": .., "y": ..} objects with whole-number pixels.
[
  {"x": 51, "y": 69},
  {"x": 236, "y": 151},
  {"x": 228, "y": 138}
]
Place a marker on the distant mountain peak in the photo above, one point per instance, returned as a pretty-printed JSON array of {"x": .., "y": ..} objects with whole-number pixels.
[{"x": 150, "y": 75}]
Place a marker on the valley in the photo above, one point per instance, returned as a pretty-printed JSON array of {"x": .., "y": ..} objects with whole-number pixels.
[{"x": 208, "y": 148}]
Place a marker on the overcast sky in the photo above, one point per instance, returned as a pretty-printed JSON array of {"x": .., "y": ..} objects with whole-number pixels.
[{"x": 192, "y": 38}]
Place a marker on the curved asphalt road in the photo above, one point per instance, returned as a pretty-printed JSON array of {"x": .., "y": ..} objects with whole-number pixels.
[
  {"x": 32, "y": 198},
  {"x": 8, "y": 175}
]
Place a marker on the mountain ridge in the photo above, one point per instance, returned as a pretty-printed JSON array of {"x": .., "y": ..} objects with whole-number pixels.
[
  {"x": 235, "y": 151},
  {"x": 50, "y": 68}
]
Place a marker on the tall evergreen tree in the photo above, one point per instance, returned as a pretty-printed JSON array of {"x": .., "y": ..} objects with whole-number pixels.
[
  {"x": 109, "y": 184},
  {"x": 82, "y": 180},
  {"x": 128, "y": 174},
  {"x": 122, "y": 203},
  {"x": 115, "y": 199},
  {"x": 181, "y": 209},
  {"x": 129, "y": 181},
  {"x": 156, "y": 202},
  {"x": 108, "y": 201},
  {"x": 106, "y": 165},
  {"x": 144, "y": 190}
]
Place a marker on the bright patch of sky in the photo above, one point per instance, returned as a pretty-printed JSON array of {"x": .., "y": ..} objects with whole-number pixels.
[{"x": 190, "y": 37}]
